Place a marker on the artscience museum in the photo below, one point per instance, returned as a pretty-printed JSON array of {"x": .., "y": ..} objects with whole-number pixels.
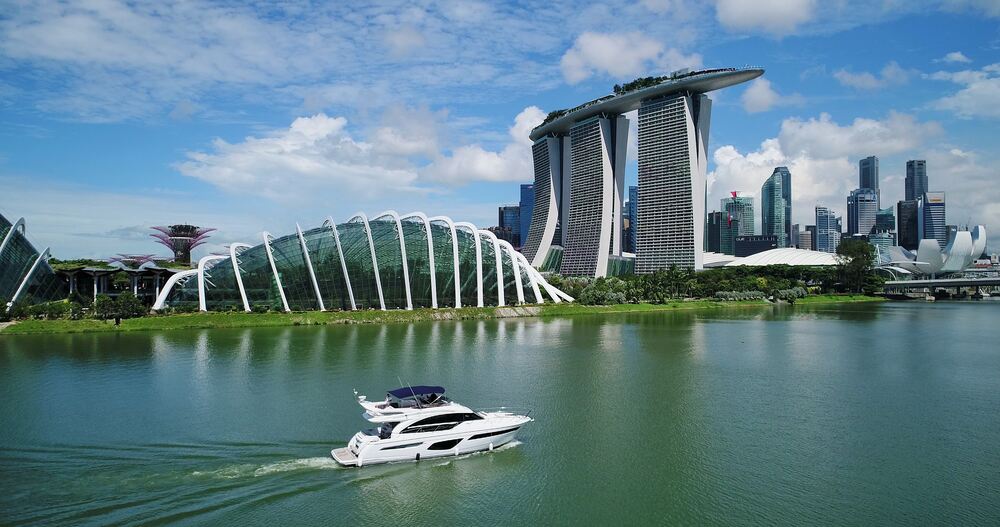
[{"x": 389, "y": 261}]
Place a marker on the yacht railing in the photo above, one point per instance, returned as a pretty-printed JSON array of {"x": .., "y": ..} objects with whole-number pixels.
[{"x": 512, "y": 410}]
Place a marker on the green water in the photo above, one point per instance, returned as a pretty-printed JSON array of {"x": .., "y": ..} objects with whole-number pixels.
[{"x": 847, "y": 415}]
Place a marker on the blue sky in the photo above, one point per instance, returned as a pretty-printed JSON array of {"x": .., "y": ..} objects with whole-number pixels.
[{"x": 115, "y": 117}]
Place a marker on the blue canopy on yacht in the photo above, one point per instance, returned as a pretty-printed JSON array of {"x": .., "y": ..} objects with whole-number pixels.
[{"x": 412, "y": 391}]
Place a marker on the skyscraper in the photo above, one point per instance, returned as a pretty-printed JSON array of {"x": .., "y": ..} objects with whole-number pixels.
[
  {"x": 907, "y": 224},
  {"x": 862, "y": 206},
  {"x": 527, "y": 205},
  {"x": 773, "y": 206},
  {"x": 673, "y": 138},
  {"x": 579, "y": 158},
  {"x": 868, "y": 176},
  {"x": 931, "y": 218},
  {"x": 810, "y": 234},
  {"x": 916, "y": 179},
  {"x": 740, "y": 209},
  {"x": 885, "y": 220},
  {"x": 786, "y": 194},
  {"x": 827, "y": 230},
  {"x": 713, "y": 238},
  {"x": 633, "y": 216},
  {"x": 509, "y": 222}
]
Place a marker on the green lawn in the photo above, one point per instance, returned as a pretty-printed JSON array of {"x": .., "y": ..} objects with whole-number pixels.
[{"x": 309, "y": 318}]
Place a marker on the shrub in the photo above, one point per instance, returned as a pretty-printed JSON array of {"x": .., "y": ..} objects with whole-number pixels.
[
  {"x": 128, "y": 306},
  {"x": 104, "y": 307},
  {"x": 736, "y": 296},
  {"x": 790, "y": 295}
]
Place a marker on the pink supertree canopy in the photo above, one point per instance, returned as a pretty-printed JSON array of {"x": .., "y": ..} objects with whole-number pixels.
[{"x": 181, "y": 239}]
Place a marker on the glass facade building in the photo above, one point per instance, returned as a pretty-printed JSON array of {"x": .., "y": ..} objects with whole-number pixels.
[
  {"x": 774, "y": 207},
  {"x": 868, "y": 176},
  {"x": 916, "y": 179},
  {"x": 25, "y": 274},
  {"x": 527, "y": 205},
  {"x": 386, "y": 262},
  {"x": 827, "y": 230}
]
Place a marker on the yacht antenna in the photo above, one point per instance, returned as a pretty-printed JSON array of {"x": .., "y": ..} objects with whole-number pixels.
[{"x": 415, "y": 399}]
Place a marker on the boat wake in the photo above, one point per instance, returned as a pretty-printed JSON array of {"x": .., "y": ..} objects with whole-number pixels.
[
  {"x": 501, "y": 448},
  {"x": 252, "y": 470}
]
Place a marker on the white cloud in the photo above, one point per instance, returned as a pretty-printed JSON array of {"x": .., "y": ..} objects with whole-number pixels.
[
  {"x": 761, "y": 97},
  {"x": 891, "y": 74},
  {"x": 620, "y": 55},
  {"x": 979, "y": 97},
  {"x": 954, "y": 56},
  {"x": 822, "y": 156},
  {"x": 403, "y": 41},
  {"x": 474, "y": 163},
  {"x": 776, "y": 17}
]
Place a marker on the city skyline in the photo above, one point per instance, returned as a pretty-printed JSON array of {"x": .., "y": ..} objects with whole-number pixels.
[{"x": 164, "y": 126}]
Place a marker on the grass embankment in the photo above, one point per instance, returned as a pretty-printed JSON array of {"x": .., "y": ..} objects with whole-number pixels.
[{"x": 312, "y": 318}]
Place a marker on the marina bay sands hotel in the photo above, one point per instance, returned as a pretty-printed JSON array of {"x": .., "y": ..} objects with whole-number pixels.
[{"x": 579, "y": 161}]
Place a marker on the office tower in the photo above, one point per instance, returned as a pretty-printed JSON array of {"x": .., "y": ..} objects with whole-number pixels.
[
  {"x": 739, "y": 209},
  {"x": 713, "y": 239},
  {"x": 579, "y": 157},
  {"x": 862, "y": 206},
  {"x": 868, "y": 176},
  {"x": 727, "y": 235},
  {"x": 907, "y": 224},
  {"x": 931, "y": 218},
  {"x": 527, "y": 205},
  {"x": 786, "y": 194},
  {"x": 793, "y": 239},
  {"x": 747, "y": 245},
  {"x": 633, "y": 216},
  {"x": 916, "y": 179},
  {"x": 806, "y": 238},
  {"x": 827, "y": 230},
  {"x": 885, "y": 220},
  {"x": 773, "y": 206},
  {"x": 811, "y": 231},
  {"x": 882, "y": 240},
  {"x": 509, "y": 219},
  {"x": 673, "y": 137}
]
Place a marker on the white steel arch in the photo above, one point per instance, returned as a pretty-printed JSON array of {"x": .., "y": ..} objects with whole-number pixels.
[
  {"x": 479, "y": 259},
  {"x": 531, "y": 278},
  {"x": 430, "y": 253},
  {"x": 202, "y": 304},
  {"x": 309, "y": 265},
  {"x": 499, "y": 264},
  {"x": 24, "y": 281},
  {"x": 371, "y": 247},
  {"x": 10, "y": 233},
  {"x": 236, "y": 271},
  {"x": 454, "y": 249},
  {"x": 343, "y": 265},
  {"x": 516, "y": 268},
  {"x": 402, "y": 251},
  {"x": 274, "y": 269},
  {"x": 171, "y": 282}
]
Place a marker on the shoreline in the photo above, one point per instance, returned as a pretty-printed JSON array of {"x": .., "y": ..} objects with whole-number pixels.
[{"x": 213, "y": 320}]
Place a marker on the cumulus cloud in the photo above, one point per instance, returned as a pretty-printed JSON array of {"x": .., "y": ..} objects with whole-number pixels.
[
  {"x": 891, "y": 74},
  {"x": 822, "y": 155},
  {"x": 760, "y": 96},
  {"x": 474, "y": 163},
  {"x": 954, "y": 56},
  {"x": 979, "y": 96},
  {"x": 777, "y": 17},
  {"x": 620, "y": 55}
]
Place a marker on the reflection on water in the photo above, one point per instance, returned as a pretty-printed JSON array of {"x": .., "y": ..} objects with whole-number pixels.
[{"x": 858, "y": 414}]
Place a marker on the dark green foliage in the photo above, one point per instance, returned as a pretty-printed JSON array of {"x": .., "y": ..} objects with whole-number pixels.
[
  {"x": 857, "y": 263},
  {"x": 75, "y": 311},
  {"x": 128, "y": 306},
  {"x": 104, "y": 307}
]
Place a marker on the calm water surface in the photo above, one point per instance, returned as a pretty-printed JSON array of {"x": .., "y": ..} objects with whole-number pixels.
[{"x": 854, "y": 414}]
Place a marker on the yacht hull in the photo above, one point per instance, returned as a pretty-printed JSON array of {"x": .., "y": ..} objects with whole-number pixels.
[{"x": 358, "y": 454}]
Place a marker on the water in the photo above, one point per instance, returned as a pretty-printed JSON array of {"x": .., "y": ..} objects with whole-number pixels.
[{"x": 847, "y": 415}]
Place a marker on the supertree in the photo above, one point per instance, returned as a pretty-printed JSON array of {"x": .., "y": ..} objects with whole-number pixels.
[{"x": 181, "y": 239}]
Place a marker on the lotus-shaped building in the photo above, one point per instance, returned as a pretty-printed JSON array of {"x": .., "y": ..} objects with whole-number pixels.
[
  {"x": 390, "y": 261},
  {"x": 930, "y": 259}
]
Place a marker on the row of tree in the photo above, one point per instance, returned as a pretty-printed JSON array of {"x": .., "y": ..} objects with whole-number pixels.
[{"x": 125, "y": 305}]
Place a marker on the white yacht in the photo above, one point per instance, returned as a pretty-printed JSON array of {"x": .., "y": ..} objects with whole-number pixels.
[{"x": 416, "y": 422}]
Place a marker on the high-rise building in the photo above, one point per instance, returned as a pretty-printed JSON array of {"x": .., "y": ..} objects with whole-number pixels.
[
  {"x": 673, "y": 138},
  {"x": 579, "y": 159},
  {"x": 827, "y": 230},
  {"x": 713, "y": 238},
  {"x": 907, "y": 224},
  {"x": 868, "y": 176},
  {"x": 811, "y": 229},
  {"x": 806, "y": 238},
  {"x": 773, "y": 206},
  {"x": 739, "y": 209},
  {"x": 793, "y": 238},
  {"x": 509, "y": 218},
  {"x": 882, "y": 240},
  {"x": 931, "y": 218},
  {"x": 747, "y": 245},
  {"x": 916, "y": 179},
  {"x": 885, "y": 220},
  {"x": 786, "y": 194},
  {"x": 633, "y": 216},
  {"x": 527, "y": 205},
  {"x": 862, "y": 207}
]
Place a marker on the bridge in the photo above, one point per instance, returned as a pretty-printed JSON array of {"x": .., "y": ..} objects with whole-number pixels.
[{"x": 943, "y": 283}]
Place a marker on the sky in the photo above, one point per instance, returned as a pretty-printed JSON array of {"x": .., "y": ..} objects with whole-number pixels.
[{"x": 118, "y": 116}]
